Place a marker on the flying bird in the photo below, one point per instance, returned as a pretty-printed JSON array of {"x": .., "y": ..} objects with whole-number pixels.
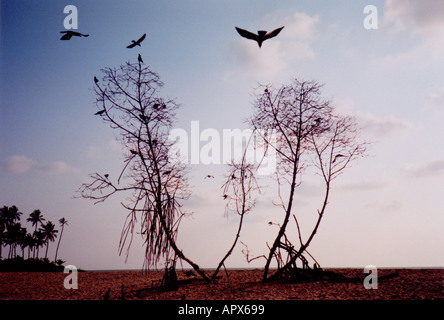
[
  {"x": 68, "y": 34},
  {"x": 96, "y": 80},
  {"x": 100, "y": 112},
  {"x": 209, "y": 176},
  {"x": 136, "y": 43},
  {"x": 337, "y": 156},
  {"x": 261, "y": 35},
  {"x": 140, "y": 58}
]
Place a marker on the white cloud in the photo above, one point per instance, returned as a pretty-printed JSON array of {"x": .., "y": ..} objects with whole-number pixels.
[
  {"x": 19, "y": 164},
  {"x": 435, "y": 98},
  {"x": 115, "y": 146},
  {"x": 372, "y": 125},
  {"x": 423, "y": 20},
  {"x": 386, "y": 206},
  {"x": 366, "y": 185},
  {"x": 430, "y": 169},
  {"x": 58, "y": 167},
  {"x": 383, "y": 126},
  {"x": 92, "y": 152},
  {"x": 292, "y": 43}
]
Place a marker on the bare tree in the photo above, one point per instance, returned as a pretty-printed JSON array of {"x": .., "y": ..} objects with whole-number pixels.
[
  {"x": 128, "y": 101},
  {"x": 309, "y": 134},
  {"x": 238, "y": 190}
]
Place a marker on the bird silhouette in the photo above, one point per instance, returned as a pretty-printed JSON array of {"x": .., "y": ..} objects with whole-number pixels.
[
  {"x": 142, "y": 117},
  {"x": 167, "y": 172},
  {"x": 225, "y": 196},
  {"x": 100, "y": 112},
  {"x": 261, "y": 35},
  {"x": 136, "y": 43},
  {"x": 139, "y": 58},
  {"x": 337, "y": 156},
  {"x": 68, "y": 34},
  {"x": 106, "y": 175},
  {"x": 156, "y": 106},
  {"x": 133, "y": 151},
  {"x": 209, "y": 176},
  {"x": 96, "y": 80}
]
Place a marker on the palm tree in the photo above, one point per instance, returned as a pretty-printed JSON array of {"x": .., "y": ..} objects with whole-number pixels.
[
  {"x": 30, "y": 241},
  {"x": 13, "y": 235},
  {"x": 39, "y": 240},
  {"x": 12, "y": 214},
  {"x": 36, "y": 217},
  {"x": 2, "y": 227},
  {"x": 62, "y": 222},
  {"x": 50, "y": 234}
]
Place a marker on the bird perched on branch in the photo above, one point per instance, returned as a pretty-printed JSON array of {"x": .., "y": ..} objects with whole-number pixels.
[
  {"x": 68, "y": 34},
  {"x": 261, "y": 35},
  {"x": 136, "y": 43},
  {"x": 100, "y": 112},
  {"x": 139, "y": 58},
  {"x": 337, "y": 156}
]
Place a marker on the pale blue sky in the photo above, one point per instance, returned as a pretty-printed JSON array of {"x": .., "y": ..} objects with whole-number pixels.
[{"x": 387, "y": 210}]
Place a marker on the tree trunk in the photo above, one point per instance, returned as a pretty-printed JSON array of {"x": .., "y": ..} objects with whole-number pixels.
[
  {"x": 277, "y": 241},
  {"x": 58, "y": 244}
]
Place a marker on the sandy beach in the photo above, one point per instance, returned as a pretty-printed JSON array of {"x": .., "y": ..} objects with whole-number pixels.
[{"x": 409, "y": 284}]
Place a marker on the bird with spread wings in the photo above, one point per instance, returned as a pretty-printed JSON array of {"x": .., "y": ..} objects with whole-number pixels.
[
  {"x": 68, "y": 34},
  {"x": 261, "y": 35},
  {"x": 136, "y": 43}
]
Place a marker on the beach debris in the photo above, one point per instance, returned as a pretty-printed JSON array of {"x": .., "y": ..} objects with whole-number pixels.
[{"x": 106, "y": 296}]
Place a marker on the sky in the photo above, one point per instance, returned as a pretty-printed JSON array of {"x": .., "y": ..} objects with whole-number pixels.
[{"x": 385, "y": 210}]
